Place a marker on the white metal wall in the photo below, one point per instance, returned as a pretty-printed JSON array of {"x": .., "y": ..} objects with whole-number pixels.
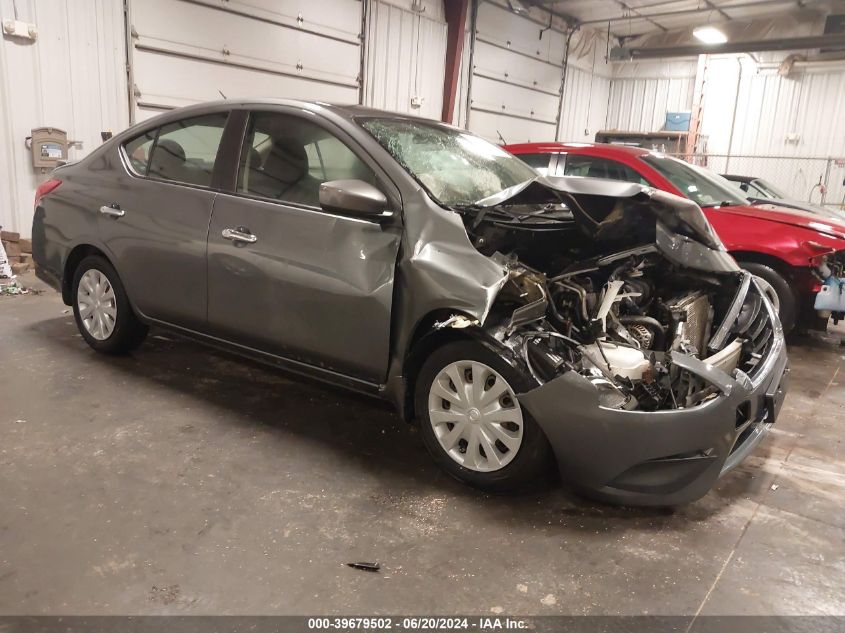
[
  {"x": 808, "y": 103},
  {"x": 754, "y": 118},
  {"x": 406, "y": 56},
  {"x": 587, "y": 89},
  {"x": 641, "y": 94},
  {"x": 73, "y": 76},
  {"x": 190, "y": 51},
  {"x": 585, "y": 100},
  {"x": 793, "y": 117}
]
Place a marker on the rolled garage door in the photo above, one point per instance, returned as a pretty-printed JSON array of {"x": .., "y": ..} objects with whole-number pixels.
[
  {"x": 201, "y": 49},
  {"x": 516, "y": 76}
]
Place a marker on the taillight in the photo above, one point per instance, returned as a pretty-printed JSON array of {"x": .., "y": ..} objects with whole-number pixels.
[{"x": 44, "y": 188}]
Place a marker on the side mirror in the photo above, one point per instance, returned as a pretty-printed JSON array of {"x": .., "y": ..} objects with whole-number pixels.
[{"x": 353, "y": 197}]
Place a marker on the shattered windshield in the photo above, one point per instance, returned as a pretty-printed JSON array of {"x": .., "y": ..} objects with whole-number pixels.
[
  {"x": 455, "y": 167},
  {"x": 702, "y": 187}
]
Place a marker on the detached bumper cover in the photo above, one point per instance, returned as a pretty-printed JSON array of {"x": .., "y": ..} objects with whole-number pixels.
[{"x": 659, "y": 457}]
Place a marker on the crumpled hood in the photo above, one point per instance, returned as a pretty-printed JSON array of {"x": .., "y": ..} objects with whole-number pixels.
[
  {"x": 628, "y": 202},
  {"x": 793, "y": 217}
]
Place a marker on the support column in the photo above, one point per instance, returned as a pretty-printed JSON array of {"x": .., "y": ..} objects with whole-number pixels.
[{"x": 456, "y": 15}]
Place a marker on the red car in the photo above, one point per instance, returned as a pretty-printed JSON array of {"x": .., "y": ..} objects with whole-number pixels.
[{"x": 793, "y": 251}]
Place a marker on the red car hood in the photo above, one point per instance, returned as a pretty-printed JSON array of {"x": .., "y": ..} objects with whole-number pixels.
[{"x": 792, "y": 217}]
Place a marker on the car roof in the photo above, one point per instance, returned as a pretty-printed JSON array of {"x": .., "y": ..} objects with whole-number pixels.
[
  {"x": 344, "y": 110},
  {"x": 339, "y": 111},
  {"x": 544, "y": 148}
]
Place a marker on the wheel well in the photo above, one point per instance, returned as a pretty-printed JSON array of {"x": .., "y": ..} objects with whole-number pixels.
[
  {"x": 424, "y": 341},
  {"x": 76, "y": 255},
  {"x": 767, "y": 260}
]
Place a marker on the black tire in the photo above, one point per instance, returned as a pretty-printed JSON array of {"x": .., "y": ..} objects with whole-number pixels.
[
  {"x": 788, "y": 304},
  {"x": 128, "y": 332},
  {"x": 533, "y": 459}
]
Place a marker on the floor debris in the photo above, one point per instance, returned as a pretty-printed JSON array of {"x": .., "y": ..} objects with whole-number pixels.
[
  {"x": 13, "y": 287},
  {"x": 365, "y": 566}
]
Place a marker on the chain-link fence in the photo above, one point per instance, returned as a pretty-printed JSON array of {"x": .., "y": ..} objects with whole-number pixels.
[{"x": 814, "y": 179}]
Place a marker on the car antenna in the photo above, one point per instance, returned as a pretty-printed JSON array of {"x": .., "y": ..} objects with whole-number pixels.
[
  {"x": 501, "y": 138},
  {"x": 221, "y": 94}
]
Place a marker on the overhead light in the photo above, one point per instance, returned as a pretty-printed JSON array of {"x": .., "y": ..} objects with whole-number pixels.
[
  {"x": 710, "y": 35},
  {"x": 518, "y": 7}
]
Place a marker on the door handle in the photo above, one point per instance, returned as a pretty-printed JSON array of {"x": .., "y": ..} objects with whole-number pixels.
[
  {"x": 112, "y": 210},
  {"x": 239, "y": 234}
]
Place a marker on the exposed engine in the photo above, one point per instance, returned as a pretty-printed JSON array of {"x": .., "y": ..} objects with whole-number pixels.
[{"x": 615, "y": 317}]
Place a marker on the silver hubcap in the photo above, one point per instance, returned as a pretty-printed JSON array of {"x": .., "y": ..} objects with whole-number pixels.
[
  {"x": 97, "y": 305},
  {"x": 475, "y": 416}
]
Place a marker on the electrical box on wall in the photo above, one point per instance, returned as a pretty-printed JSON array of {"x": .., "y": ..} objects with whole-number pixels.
[
  {"x": 16, "y": 28},
  {"x": 49, "y": 147}
]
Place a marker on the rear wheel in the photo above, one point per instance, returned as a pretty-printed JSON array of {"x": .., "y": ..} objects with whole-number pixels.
[
  {"x": 472, "y": 422},
  {"x": 775, "y": 284},
  {"x": 101, "y": 308}
]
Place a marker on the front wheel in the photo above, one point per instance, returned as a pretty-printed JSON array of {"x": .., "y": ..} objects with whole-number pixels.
[
  {"x": 101, "y": 308},
  {"x": 472, "y": 422},
  {"x": 778, "y": 290}
]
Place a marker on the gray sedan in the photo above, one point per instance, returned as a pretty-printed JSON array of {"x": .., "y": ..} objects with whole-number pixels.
[{"x": 520, "y": 321}]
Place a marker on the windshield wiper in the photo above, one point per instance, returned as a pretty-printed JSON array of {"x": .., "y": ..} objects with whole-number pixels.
[{"x": 723, "y": 203}]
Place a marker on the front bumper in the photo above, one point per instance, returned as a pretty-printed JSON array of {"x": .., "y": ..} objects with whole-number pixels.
[{"x": 664, "y": 457}]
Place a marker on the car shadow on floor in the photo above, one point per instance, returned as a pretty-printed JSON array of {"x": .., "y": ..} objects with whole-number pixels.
[{"x": 361, "y": 432}]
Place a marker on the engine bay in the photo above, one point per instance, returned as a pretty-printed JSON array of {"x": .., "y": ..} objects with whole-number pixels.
[{"x": 625, "y": 318}]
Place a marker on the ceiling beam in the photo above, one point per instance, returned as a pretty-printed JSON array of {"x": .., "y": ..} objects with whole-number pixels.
[
  {"x": 637, "y": 14},
  {"x": 781, "y": 44},
  {"x": 664, "y": 14},
  {"x": 718, "y": 9}
]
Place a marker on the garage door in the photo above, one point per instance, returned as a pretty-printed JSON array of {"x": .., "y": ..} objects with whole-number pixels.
[
  {"x": 187, "y": 51},
  {"x": 515, "y": 78}
]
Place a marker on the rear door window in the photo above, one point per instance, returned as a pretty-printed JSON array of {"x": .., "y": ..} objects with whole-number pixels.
[{"x": 186, "y": 151}]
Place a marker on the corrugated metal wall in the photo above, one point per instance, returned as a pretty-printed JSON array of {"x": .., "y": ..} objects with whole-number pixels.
[
  {"x": 584, "y": 110},
  {"x": 587, "y": 90},
  {"x": 641, "y": 94},
  {"x": 757, "y": 122},
  {"x": 72, "y": 77},
  {"x": 784, "y": 127},
  {"x": 809, "y": 103},
  {"x": 406, "y": 55}
]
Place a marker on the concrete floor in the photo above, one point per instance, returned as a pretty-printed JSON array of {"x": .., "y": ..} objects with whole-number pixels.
[{"x": 180, "y": 480}]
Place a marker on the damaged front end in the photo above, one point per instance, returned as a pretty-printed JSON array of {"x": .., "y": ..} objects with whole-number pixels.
[{"x": 657, "y": 367}]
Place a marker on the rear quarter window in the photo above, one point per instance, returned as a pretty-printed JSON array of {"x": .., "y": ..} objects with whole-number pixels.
[{"x": 138, "y": 151}]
